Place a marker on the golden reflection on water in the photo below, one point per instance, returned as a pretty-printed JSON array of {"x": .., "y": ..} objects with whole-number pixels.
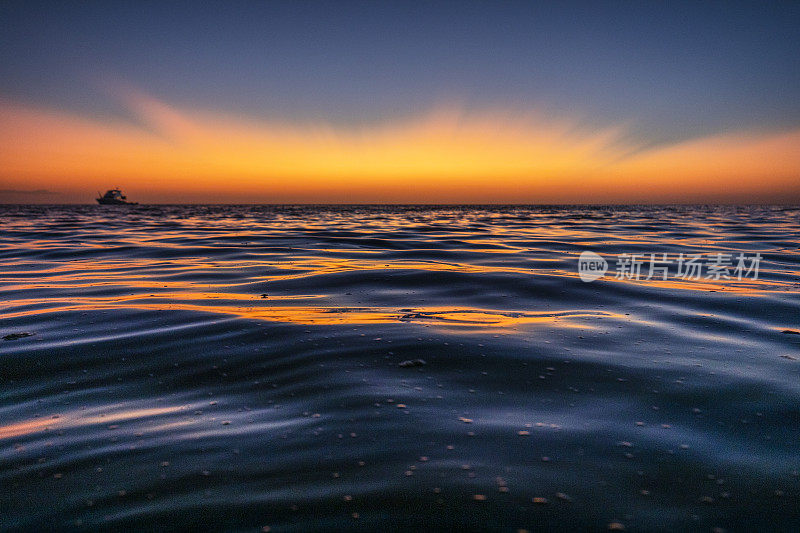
[
  {"x": 80, "y": 419},
  {"x": 140, "y": 274},
  {"x": 147, "y": 281},
  {"x": 263, "y": 310},
  {"x": 26, "y": 428},
  {"x": 224, "y": 264}
]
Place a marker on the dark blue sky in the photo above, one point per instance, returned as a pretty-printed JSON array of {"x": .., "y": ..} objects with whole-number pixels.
[{"x": 670, "y": 69}]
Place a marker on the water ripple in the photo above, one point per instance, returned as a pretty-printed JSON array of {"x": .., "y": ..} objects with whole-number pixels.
[{"x": 235, "y": 367}]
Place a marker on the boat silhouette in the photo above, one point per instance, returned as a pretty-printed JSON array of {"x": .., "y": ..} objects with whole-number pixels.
[{"x": 114, "y": 197}]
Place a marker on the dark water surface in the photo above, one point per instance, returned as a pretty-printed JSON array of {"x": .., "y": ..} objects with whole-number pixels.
[{"x": 220, "y": 367}]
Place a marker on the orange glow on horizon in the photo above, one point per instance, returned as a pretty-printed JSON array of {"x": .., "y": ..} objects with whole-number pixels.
[{"x": 446, "y": 156}]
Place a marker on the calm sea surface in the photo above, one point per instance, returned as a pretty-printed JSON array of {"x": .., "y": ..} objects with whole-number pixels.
[{"x": 236, "y": 367}]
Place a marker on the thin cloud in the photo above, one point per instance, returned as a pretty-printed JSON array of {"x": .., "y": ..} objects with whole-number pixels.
[{"x": 450, "y": 154}]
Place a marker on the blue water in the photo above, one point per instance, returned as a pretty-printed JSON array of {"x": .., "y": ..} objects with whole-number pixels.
[{"x": 239, "y": 367}]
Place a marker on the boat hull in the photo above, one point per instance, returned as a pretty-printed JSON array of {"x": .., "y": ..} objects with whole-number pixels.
[{"x": 113, "y": 201}]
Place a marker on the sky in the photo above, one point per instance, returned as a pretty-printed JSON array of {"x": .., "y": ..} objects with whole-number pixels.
[{"x": 400, "y": 102}]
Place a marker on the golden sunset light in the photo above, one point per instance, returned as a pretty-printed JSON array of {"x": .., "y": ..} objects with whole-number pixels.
[
  {"x": 446, "y": 155},
  {"x": 399, "y": 266}
]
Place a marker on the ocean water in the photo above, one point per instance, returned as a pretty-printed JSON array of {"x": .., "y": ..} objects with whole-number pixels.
[{"x": 241, "y": 367}]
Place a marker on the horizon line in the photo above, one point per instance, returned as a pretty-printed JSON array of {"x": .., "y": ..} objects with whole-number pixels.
[{"x": 431, "y": 204}]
